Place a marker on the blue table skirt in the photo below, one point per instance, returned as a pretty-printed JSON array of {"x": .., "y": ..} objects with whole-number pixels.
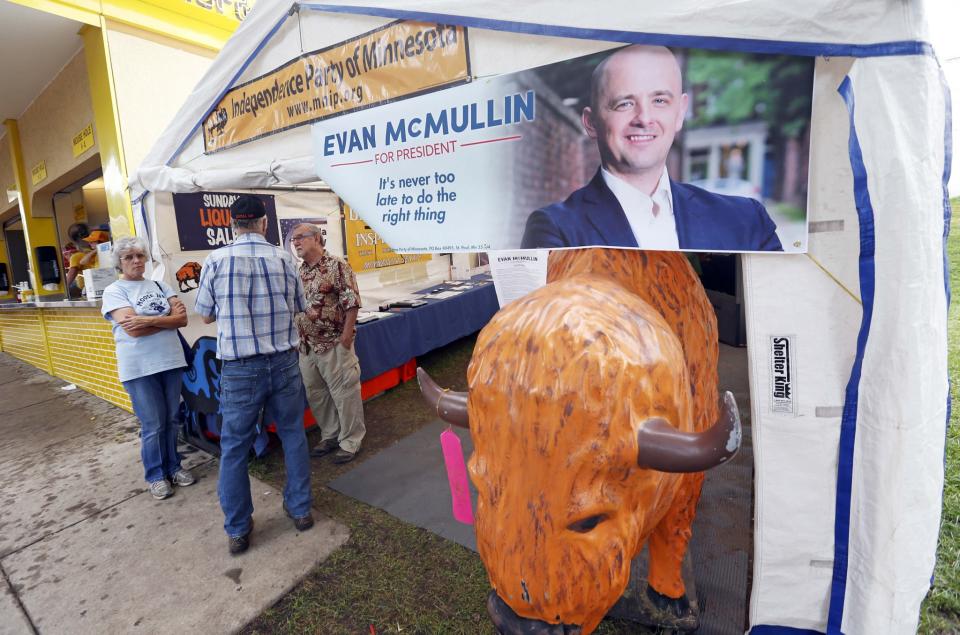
[{"x": 390, "y": 342}]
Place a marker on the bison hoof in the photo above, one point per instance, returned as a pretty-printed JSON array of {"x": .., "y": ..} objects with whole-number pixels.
[
  {"x": 667, "y": 612},
  {"x": 509, "y": 623}
]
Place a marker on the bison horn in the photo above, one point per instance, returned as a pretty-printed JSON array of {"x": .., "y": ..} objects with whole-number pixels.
[
  {"x": 664, "y": 448},
  {"x": 450, "y": 406}
]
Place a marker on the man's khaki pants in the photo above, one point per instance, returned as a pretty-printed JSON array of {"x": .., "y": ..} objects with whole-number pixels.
[{"x": 332, "y": 381}]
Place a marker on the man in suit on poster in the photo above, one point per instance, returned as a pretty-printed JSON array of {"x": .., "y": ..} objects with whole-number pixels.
[{"x": 636, "y": 108}]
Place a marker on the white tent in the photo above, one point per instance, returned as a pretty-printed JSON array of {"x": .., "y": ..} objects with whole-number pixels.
[{"x": 849, "y": 484}]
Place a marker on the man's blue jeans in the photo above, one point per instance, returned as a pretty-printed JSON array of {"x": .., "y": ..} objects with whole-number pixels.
[
  {"x": 270, "y": 382},
  {"x": 156, "y": 402}
]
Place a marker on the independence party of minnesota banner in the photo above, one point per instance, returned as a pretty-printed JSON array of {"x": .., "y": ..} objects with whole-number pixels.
[
  {"x": 461, "y": 169},
  {"x": 395, "y": 61}
]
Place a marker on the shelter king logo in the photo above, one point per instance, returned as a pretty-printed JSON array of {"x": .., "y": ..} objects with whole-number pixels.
[{"x": 782, "y": 395}]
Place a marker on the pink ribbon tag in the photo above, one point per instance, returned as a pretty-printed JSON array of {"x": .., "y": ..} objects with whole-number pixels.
[{"x": 457, "y": 476}]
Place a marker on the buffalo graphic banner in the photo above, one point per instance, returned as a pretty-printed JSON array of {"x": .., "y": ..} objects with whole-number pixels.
[
  {"x": 203, "y": 219},
  {"x": 513, "y": 161},
  {"x": 398, "y": 60}
]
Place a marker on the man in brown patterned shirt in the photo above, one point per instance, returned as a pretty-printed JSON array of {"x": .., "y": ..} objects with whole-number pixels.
[{"x": 330, "y": 369}]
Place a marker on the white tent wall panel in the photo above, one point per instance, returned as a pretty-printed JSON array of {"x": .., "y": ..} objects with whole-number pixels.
[
  {"x": 898, "y": 455},
  {"x": 793, "y": 561},
  {"x": 286, "y": 44},
  {"x": 497, "y": 53},
  {"x": 795, "y": 457},
  {"x": 320, "y": 29},
  {"x": 830, "y": 181},
  {"x": 811, "y": 21},
  {"x": 898, "y": 468},
  {"x": 815, "y": 300}
]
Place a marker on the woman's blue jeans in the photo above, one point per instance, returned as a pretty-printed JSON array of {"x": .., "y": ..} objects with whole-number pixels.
[{"x": 156, "y": 402}]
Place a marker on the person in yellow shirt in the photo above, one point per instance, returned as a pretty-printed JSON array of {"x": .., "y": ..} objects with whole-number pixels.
[{"x": 85, "y": 258}]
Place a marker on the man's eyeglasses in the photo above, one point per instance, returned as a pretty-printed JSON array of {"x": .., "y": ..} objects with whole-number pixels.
[{"x": 299, "y": 237}]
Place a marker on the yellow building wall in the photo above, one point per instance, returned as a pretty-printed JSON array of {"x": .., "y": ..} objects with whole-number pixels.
[
  {"x": 49, "y": 124},
  {"x": 83, "y": 352},
  {"x": 206, "y": 23},
  {"x": 39, "y": 229},
  {"x": 7, "y": 181},
  {"x": 7, "y": 178},
  {"x": 5, "y": 259},
  {"x": 152, "y": 76},
  {"x": 81, "y": 344},
  {"x": 23, "y": 336},
  {"x": 44, "y": 134}
]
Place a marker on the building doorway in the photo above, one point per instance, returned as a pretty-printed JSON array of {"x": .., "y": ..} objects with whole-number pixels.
[{"x": 16, "y": 250}]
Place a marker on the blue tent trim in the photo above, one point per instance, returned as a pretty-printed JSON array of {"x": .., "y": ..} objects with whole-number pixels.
[
  {"x": 881, "y": 49},
  {"x": 947, "y": 215},
  {"x": 848, "y": 422},
  {"x": 947, "y": 158},
  {"x": 765, "y": 629}
]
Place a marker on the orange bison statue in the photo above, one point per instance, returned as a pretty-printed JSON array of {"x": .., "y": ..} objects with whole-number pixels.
[{"x": 593, "y": 408}]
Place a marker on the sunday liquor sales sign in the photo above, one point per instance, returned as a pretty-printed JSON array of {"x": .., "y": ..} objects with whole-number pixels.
[{"x": 203, "y": 219}]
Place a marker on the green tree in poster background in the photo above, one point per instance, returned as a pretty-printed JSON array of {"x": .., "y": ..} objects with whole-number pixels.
[
  {"x": 731, "y": 89},
  {"x": 728, "y": 89}
]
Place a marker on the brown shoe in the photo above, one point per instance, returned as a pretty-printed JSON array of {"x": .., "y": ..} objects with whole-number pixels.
[
  {"x": 302, "y": 523},
  {"x": 324, "y": 448},
  {"x": 342, "y": 456},
  {"x": 239, "y": 544}
]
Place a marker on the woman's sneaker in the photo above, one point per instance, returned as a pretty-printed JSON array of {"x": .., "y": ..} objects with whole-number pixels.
[
  {"x": 183, "y": 478},
  {"x": 161, "y": 489}
]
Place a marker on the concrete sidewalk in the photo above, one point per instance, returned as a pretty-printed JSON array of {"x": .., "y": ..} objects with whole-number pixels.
[{"x": 84, "y": 548}]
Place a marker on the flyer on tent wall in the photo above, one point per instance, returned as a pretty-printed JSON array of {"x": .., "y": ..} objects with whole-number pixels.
[
  {"x": 366, "y": 251},
  {"x": 514, "y": 161}
]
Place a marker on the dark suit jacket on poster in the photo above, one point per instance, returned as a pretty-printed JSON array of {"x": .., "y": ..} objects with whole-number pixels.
[{"x": 592, "y": 216}]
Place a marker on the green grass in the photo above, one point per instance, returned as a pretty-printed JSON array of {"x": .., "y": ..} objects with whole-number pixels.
[{"x": 941, "y": 609}]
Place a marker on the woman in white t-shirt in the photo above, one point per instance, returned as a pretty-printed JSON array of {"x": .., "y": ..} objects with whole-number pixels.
[{"x": 145, "y": 316}]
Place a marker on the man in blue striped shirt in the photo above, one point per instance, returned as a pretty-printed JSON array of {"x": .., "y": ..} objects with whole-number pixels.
[{"x": 252, "y": 290}]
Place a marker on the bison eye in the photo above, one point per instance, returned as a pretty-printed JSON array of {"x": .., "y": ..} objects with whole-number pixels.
[{"x": 585, "y": 525}]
